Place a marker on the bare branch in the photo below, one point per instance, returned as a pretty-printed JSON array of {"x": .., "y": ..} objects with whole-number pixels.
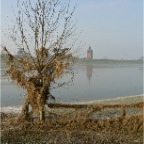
[{"x": 45, "y": 28}]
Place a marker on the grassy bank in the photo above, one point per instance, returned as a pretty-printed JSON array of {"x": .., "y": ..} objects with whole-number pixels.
[{"x": 96, "y": 122}]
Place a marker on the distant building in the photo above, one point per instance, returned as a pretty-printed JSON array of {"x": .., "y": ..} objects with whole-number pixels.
[
  {"x": 89, "y": 53},
  {"x": 3, "y": 52},
  {"x": 20, "y": 52},
  {"x": 3, "y": 55}
]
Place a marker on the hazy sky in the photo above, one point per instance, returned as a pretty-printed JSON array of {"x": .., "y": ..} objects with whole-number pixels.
[{"x": 113, "y": 28}]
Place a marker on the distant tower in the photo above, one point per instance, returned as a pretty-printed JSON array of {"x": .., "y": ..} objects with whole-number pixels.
[{"x": 89, "y": 53}]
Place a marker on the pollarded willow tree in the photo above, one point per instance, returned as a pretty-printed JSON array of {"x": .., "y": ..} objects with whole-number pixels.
[{"x": 44, "y": 33}]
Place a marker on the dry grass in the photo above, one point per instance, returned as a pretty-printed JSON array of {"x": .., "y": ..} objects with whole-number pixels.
[{"x": 75, "y": 124}]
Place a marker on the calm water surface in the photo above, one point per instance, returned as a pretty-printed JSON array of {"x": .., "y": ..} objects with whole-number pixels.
[{"x": 91, "y": 82}]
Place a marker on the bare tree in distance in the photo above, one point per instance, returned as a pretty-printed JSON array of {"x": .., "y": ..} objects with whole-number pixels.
[{"x": 45, "y": 33}]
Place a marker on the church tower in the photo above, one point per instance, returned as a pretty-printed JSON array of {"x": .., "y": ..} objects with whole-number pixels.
[{"x": 89, "y": 53}]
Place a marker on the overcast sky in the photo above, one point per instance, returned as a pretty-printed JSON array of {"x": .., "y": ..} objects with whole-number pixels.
[{"x": 113, "y": 28}]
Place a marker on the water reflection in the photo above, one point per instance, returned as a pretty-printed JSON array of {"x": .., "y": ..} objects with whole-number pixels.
[
  {"x": 92, "y": 82},
  {"x": 89, "y": 69}
]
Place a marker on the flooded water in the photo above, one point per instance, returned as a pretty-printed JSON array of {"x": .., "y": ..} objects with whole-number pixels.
[{"x": 91, "y": 82}]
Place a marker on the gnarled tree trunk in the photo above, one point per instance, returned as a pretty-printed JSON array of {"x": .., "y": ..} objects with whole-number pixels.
[{"x": 44, "y": 32}]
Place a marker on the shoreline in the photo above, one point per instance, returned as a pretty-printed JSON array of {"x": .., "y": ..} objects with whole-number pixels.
[
  {"x": 119, "y": 100},
  {"x": 100, "y": 121}
]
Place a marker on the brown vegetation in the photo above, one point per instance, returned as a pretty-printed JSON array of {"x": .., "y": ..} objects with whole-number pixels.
[
  {"x": 76, "y": 125},
  {"x": 44, "y": 34}
]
